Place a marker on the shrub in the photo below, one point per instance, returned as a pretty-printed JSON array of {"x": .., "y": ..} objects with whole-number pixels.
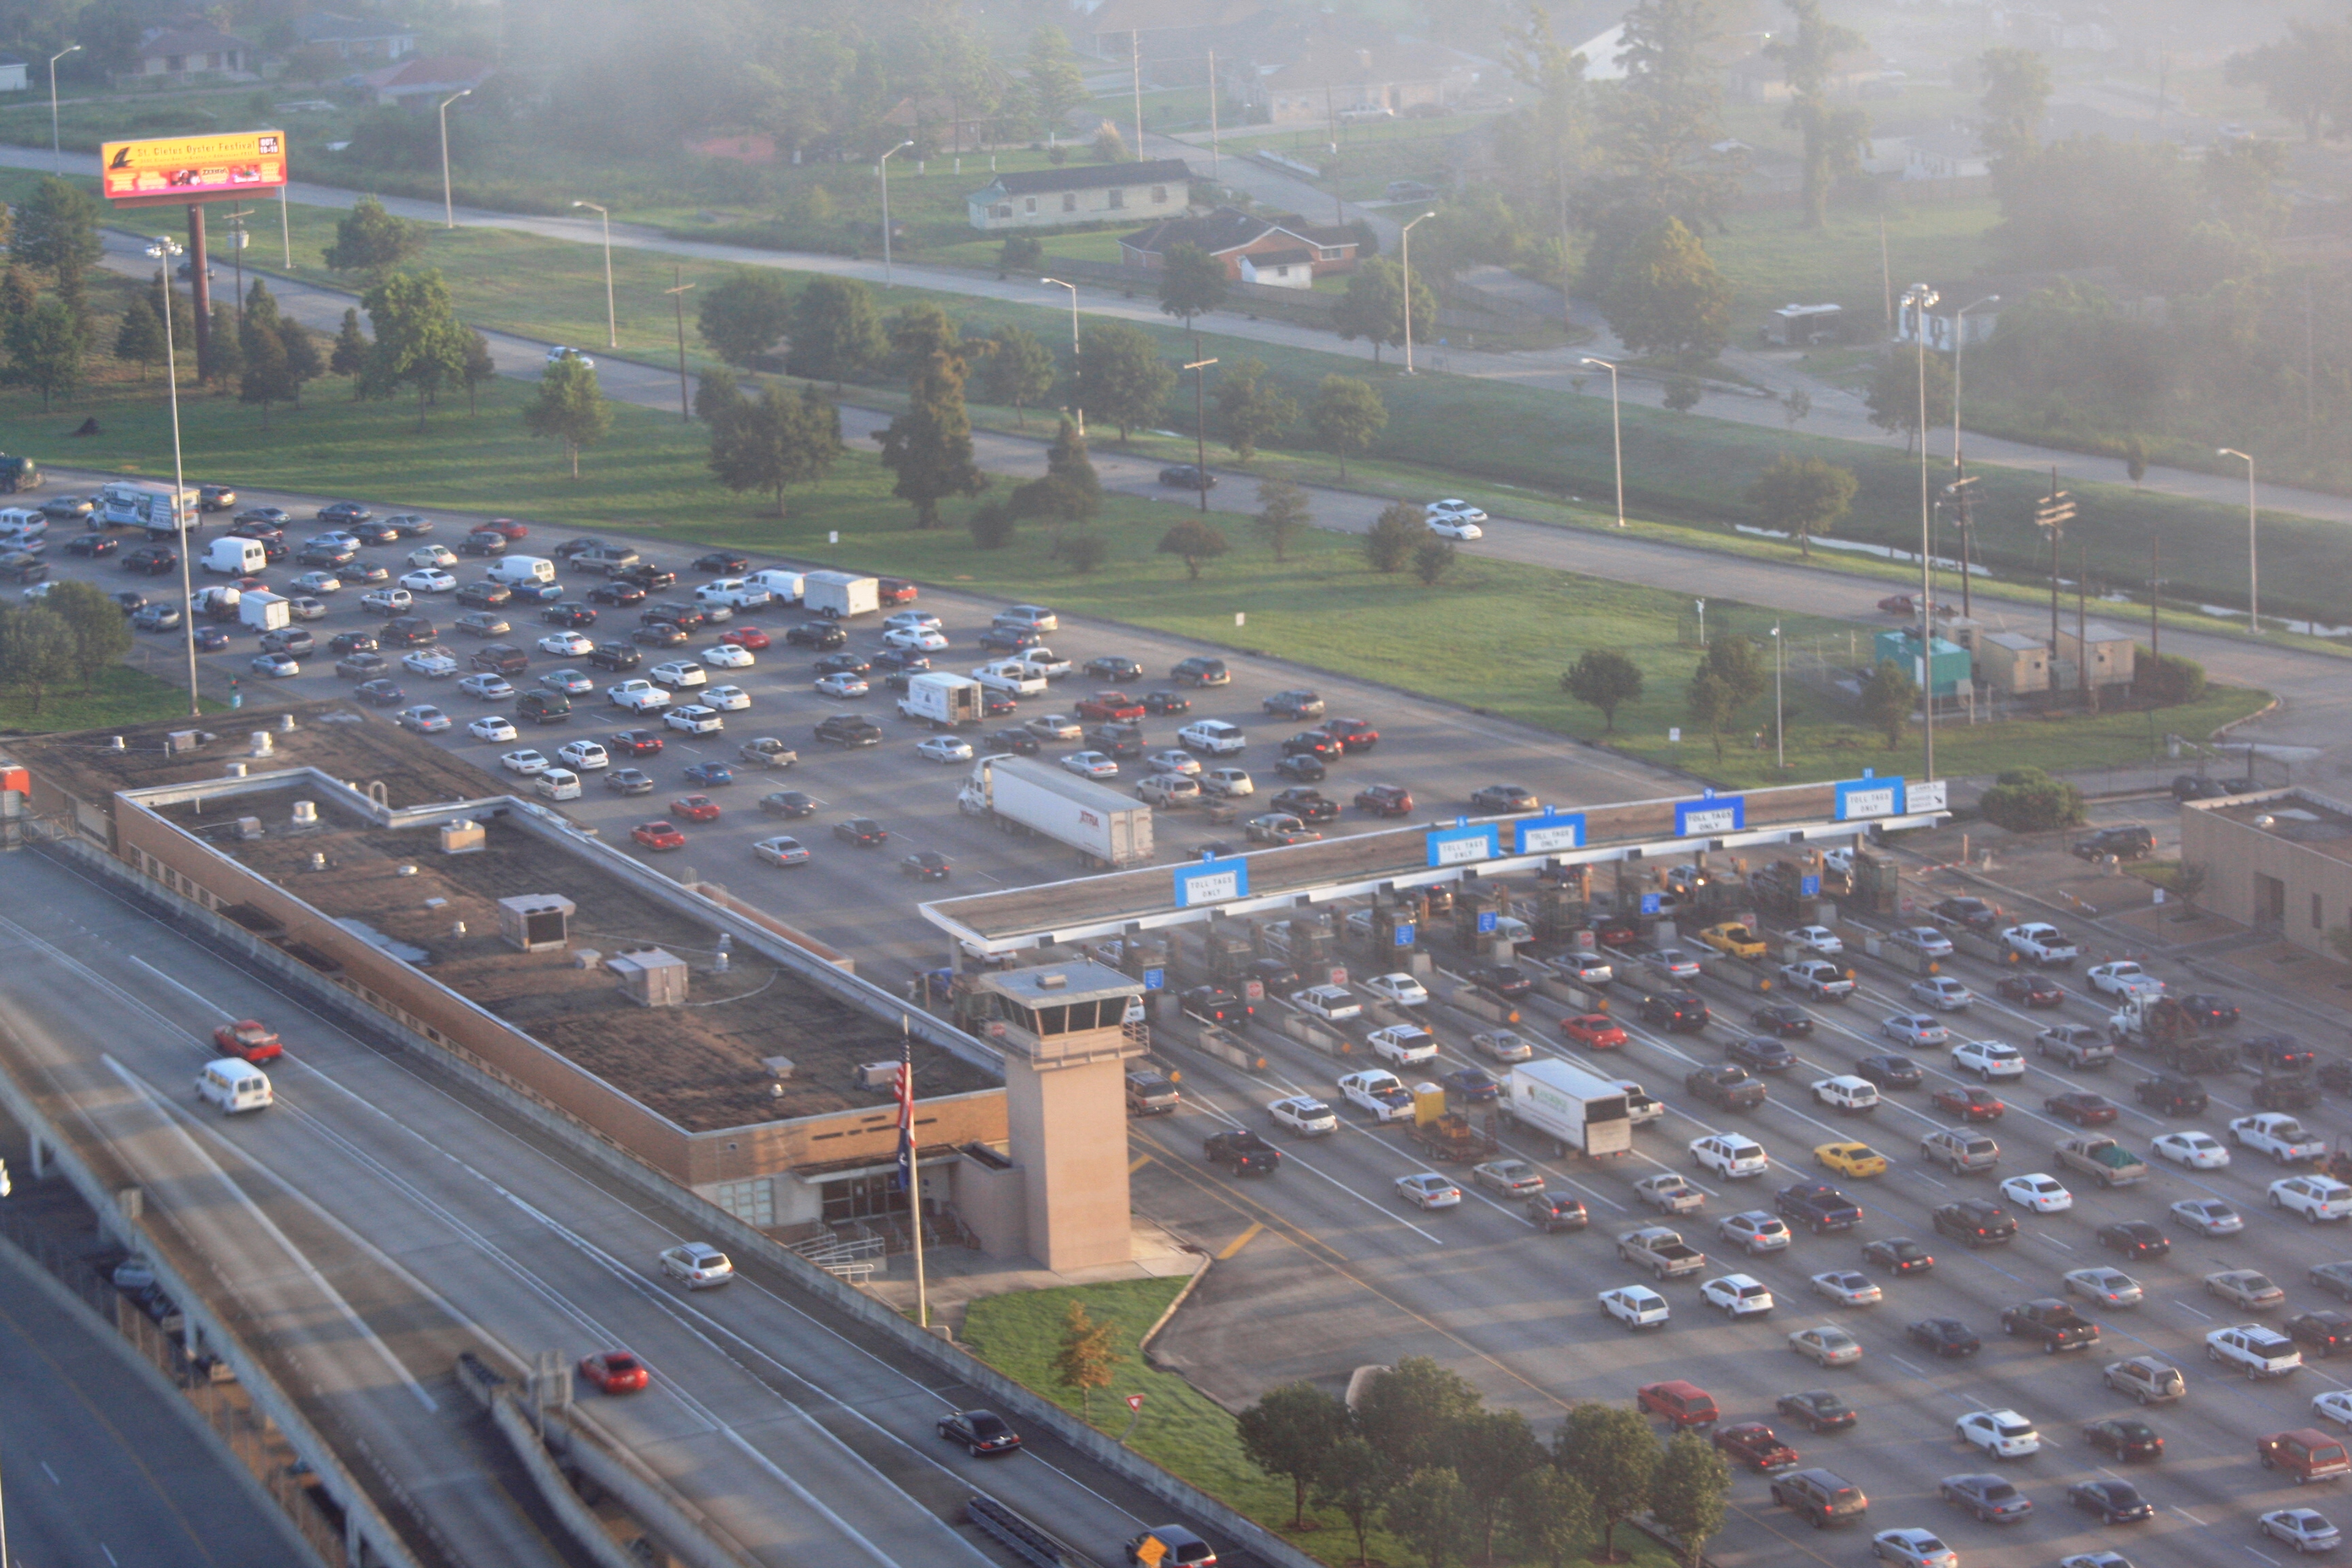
[
  {"x": 993, "y": 524},
  {"x": 2028, "y": 800},
  {"x": 1084, "y": 551},
  {"x": 2167, "y": 680}
]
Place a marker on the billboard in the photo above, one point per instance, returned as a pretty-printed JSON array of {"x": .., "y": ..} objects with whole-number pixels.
[{"x": 171, "y": 170}]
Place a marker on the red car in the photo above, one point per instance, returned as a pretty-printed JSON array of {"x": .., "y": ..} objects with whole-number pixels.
[
  {"x": 1597, "y": 1031},
  {"x": 2083, "y": 1108},
  {"x": 1115, "y": 707},
  {"x": 634, "y": 743},
  {"x": 249, "y": 586},
  {"x": 1385, "y": 800},
  {"x": 1899, "y": 604},
  {"x": 2034, "y": 989},
  {"x": 1756, "y": 1445},
  {"x": 1969, "y": 1102},
  {"x": 249, "y": 1040},
  {"x": 750, "y": 638},
  {"x": 1354, "y": 734},
  {"x": 614, "y": 1372},
  {"x": 895, "y": 590},
  {"x": 695, "y": 808},
  {"x": 1616, "y": 933},
  {"x": 504, "y": 525},
  {"x": 1681, "y": 1404},
  {"x": 658, "y": 836}
]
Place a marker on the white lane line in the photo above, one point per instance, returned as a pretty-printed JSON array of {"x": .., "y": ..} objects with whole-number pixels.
[
  {"x": 1219, "y": 1112},
  {"x": 51, "y": 1474},
  {"x": 183, "y": 990},
  {"x": 2193, "y": 1312}
]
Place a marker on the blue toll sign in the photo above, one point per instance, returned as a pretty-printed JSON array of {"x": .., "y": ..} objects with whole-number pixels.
[
  {"x": 1405, "y": 936},
  {"x": 1809, "y": 887},
  {"x": 1155, "y": 980},
  {"x": 1653, "y": 903},
  {"x": 1486, "y": 922}
]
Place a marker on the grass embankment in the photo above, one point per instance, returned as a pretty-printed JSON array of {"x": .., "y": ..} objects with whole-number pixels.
[{"x": 120, "y": 695}]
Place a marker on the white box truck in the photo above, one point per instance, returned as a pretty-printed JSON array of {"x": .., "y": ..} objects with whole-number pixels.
[
  {"x": 1574, "y": 1108},
  {"x": 840, "y": 594},
  {"x": 229, "y": 556},
  {"x": 1033, "y": 797},
  {"x": 941, "y": 700},
  {"x": 265, "y": 611},
  {"x": 147, "y": 506}
]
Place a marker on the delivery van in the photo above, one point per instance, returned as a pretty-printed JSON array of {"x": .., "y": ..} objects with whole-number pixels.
[
  {"x": 233, "y": 1086},
  {"x": 228, "y": 556},
  {"x": 514, "y": 569}
]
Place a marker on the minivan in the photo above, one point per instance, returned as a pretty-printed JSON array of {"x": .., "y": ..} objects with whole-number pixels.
[
  {"x": 1681, "y": 1404},
  {"x": 543, "y": 707},
  {"x": 1029, "y": 618},
  {"x": 1823, "y": 1497},
  {"x": 233, "y": 1086}
]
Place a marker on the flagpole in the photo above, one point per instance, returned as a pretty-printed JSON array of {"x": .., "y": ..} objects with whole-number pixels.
[{"x": 914, "y": 1170}]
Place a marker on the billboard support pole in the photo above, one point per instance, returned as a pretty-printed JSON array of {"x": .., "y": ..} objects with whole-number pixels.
[{"x": 200, "y": 290}]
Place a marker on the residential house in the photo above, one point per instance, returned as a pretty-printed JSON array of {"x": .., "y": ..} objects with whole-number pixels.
[
  {"x": 420, "y": 84},
  {"x": 1081, "y": 193},
  {"x": 1281, "y": 252},
  {"x": 12, "y": 74},
  {"x": 1941, "y": 325},
  {"x": 1760, "y": 77},
  {"x": 1327, "y": 67},
  {"x": 356, "y": 37},
  {"x": 192, "y": 46}
]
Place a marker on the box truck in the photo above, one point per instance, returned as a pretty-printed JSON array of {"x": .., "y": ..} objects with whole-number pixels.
[
  {"x": 839, "y": 595},
  {"x": 1575, "y": 1109},
  {"x": 231, "y": 557},
  {"x": 264, "y": 611},
  {"x": 147, "y": 506},
  {"x": 1023, "y": 796},
  {"x": 943, "y": 700}
]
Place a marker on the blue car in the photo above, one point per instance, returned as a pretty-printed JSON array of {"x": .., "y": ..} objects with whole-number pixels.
[
  {"x": 1474, "y": 1085},
  {"x": 711, "y": 773},
  {"x": 211, "y": 639}
]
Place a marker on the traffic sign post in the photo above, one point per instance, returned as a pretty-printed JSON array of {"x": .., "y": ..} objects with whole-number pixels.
[
  {"x": 2054, "y": 512},
  {"x": 1135, "y": 1405}
]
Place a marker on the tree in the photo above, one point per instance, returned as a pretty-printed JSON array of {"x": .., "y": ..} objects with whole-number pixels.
[
  {"x": 36, "y": 650},
  {"x": 1427, "y": 1514},
  {"x": 1373, "y": 307},
  {"x": 1250, "y": 410},
  {"x": 481, "y": 368},
  {"x": 100, "y": 632},
  {"x": 1021, "y": 253},
  {"x": 1667, "y": 297},
  {"x": 1832, "y": 136},
  {"x": 1347, "y": 415},
  {"x": 1191, "y": 282},
  {"x": 1545, "y": 147},
  {"x": 1431, "y": 560},
  {"x": 1388, "y": 544},
  {"x": 1282, "y": 511},
  {"x": 2168, "y": 680},
  {"x": 1109, "y": 146},
  {"x": 1795, "y": 405},
  {"x": 264, "y": 379},
  {"x": 260, "y": 305},
  {"x": 351, "y": 352},
  {"x": 45, "y": 352},
  {"x": 2016, "y": 96},
  {"x": 56, "y": 231},
  {"x": 2028, "y": 800},
  {"x": 1803, "y": 496},
  {"x": 993, "y": 524},
  {"x": 1547, "y": 1515},
  {"x": 139, "y": 338},
  {"x": 743, "y": 316},
  {"x": 715, "y": 395},
  {"x": 1354, "y": 1482},
  {"x": 224, "y": 359},
  {"x": 2303, "y": 76},
  {"x": 1690, "y": 1492},
  {"x": 1067, "y": 460},
  {"x": 1288, "y": 1433},
  {"x": 930, "y": 445},
  {"x": 1887, "y": 698},
  {"x": 1681, "y": 394},
  {"x": 372, "y": 242},
  {"x": 1408, "y": 1412},
  {"x": 1893, "y": 397},
  {"x": 1603, "y": 678},
  {"x": 1019, "y": 370},
  {"x": 837, "y": 332},
  {"x": 1083, "y": 551},
  {"x": 1056, "y": 84},
  {"x": 1121, "y": 377},
  {"x": 570, "y": 407},
  {"x": 1612, "y": 1451},
  {"x": 1711, "y": 705},
  {"x": 1660, "y": 130},
  {"x": 1492, "y": 1449},
  {"x": 1084, "y": 1359},
  {"x": 1195, "y": 540},
  {"x": 18, "y": 295},
  {"x": 419, "y": 342},
  {"x": 771, "y": 443}
]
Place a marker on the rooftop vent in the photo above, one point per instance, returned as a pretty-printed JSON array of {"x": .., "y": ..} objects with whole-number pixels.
[
  {"x": 306, "y": 813},
  {"x": 286, "y": 723},
  {"x": 1053, "y": 982},
  {"x": 262, "y": 744},
  {"x": 114, "y": 744},
  {"x": 235, "y": 769},
  {"x": 463, "y": 837},
  {"x": 650, "y": 977},
  {"x": 778, "y": 1066},
  {"x": 537, "y": 923}
]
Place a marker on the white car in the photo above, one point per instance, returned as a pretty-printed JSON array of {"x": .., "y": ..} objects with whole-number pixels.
[
  {"x": 585, "y": 755},
  {"x": 559, "y": 354},
  {"x": 782, "y": 850},
  {"x": 2121, "y": 978},
  {"x": 2279, "y": 1135},
  {"x": 727, "y": 656},
  {"x": 1447, "y": 517},
  {"x": 1635, "y": 1306},
  {"x": 1756, "y": 1231},
  {"x": 1230, "y": 783},
  {"x": 2198, "y": 1151},
  {"x": 424, "y": 718},
  {"x": 2305, "y": 1529},
  {"x": 1182, "y": 763},
  {"x": 1403, "y": 1043},
  {"x": 317, "y": 582},
  {"x": 921, "y": 620},
  {"x": 1838, "y": 860},
  {"x": 558, "y": 784},
  {"x": 841, "y": 683},
  {"x": 2108, "y": 1286},
  {"x": 486, "y": 688},
  {"x": 945, "y": 749},
  {"x": 1304, "y": 1115},
  {"x": 492, "y": 727},
  {"x": 429, "y": 580},
  {"x": 1913, "y": 1549},
  {"x": 2336, "y": 1406},
  {"x": 430, "y": 662},
  {"x": 2041, "y": 1194},
  {"x": 1053, "y": 727},
  {"x": 2001, "y": 1434},
  {"x": 1090, "y": 765},
  {"x": 679, "y": 673},
  {"x": 1848, "y": 1289},
  {"x": 527, "y": 763},
  {"x": 1942, "y": 993},
  {"x": 1585, "y": 968},
  {"x": 1400, "y": 988},
  {"x": 1214, "y": 736},
  {"x": 1989, "y": 1059},
  {"x": 914, "y": 639},
  {"x": 1731, "y": 1156},
  {"x": 726, "y": 699},
  {"x": 1428, "y": 1190},
  {"x": 1915, "y": 1029},
  {"x": 1739, "y": 1296},
  {"x": 1819, "y": 941},
  {"x": 565, "y": 645},
  {"x": 699, "y": 1265},
  {"x": 1455, "y": 528},
  {"x": 387, "y": 601},
  {"x": 1330, "y": 1003},
  {"x": 636, "y": 694},
  {"x": 433, "y": 556},
  {"x": 695, "y": 719},
  {"x": 1379, "y": 1091},
  {"x": 2315, "y": 1198},
  {"x": 2207, "y": 1216}
]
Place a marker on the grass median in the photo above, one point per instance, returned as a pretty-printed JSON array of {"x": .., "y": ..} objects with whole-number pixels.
[{"x": 118, "y": 695}]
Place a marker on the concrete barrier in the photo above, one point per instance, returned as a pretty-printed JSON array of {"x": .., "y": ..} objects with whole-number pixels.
[
  {"x": 1976, "y": 944},
  {"x": 1227, "y": 1047},
  {"x": 579, "y": 1521},
  {"x": 1308, "y": 1032},
  {"x": 1736, "y": 973},
  {"x": 1477, "y": 1003}
]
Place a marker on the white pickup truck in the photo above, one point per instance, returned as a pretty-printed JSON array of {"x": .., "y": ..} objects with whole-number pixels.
[
  {"x": 1403, "y": 1043},
  {"x": 2253, "y": 1350},
  {"x": 1661, "y": 1251},
  {"x": 2042, "y": 944},
  {"x": 1817, "y": 978},
  {"x": 1380, "y": 1091},
  {"x": 2279, "y": 1135},
  {"x": 2121, "y": 978},
  {"x": 637, "y": 695}
]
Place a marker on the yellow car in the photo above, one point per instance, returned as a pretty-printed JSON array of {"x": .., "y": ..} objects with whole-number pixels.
[
  {"x": 1734, "y": 939},
  {"x": 1851, "y": 1159}
]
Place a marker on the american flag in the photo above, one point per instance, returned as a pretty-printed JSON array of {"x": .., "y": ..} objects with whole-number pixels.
[{"x": 906, "y": 1090}]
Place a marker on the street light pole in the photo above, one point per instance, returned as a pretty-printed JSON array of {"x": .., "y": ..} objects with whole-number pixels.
[
  {"x": 882, "y": 167},
  {"x": 1779, "y": 746},
  {"x": 1076, "y": 407},
  {"x": 1919, "y": 299},
  {"x": 1199, "y": 369},
  {"x": 612, "y": 321},
  {"x": 1616, "y": 434},
  {"x": 448, "y": 206},
  {"x": 1959, "y": 473},
  {"x": 2254, "y": 582},
  {"x": 56, "y": 156},
  {"x": 1407, "y": 237},
  {"x": 678, "y": 297},
  {"x": 163, "y": 249}
]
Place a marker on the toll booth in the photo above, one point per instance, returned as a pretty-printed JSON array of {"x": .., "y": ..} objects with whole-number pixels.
[
  {"x": 1476, "y": 907},
  {"x": 1877, "y": 883},
  {"x": 1559, "y": 911},
  {"x": 1227, "y": 950},
  {"x": 1146, "y": 959}
]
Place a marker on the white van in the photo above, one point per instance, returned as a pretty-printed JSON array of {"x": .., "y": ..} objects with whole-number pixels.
[
  {"x": 785, "y": 586},
  {"x": 514, "y": 569},
  {"x": 233, "y": 1086},
  {"x": 21, "y": 529},
  {"x": 228, "y": 556}
]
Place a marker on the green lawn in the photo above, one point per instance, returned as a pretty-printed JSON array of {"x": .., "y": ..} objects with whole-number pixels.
[
  {"x": 1772, "y": 259},
  {"x": 120, "y": 695}
]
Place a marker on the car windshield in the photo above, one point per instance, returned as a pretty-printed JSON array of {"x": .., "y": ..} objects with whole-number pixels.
[
  {"x": 2016, "y": 1430},
  {"x": 984, "y": 1425}
]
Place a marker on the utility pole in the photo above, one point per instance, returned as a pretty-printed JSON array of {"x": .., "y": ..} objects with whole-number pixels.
[
  {"x": 2052, "y": 514},
  {"x": 1960, "y": 492},
  {"x": 1135, "y": 69},
  {"x": 1199, "y": 369},
  {"x": 1216, "y": 167},
  {"x": 678, "y": 299},
  {"x": 2154, "y": 630},
  {"x": 2083, "y": 628}
]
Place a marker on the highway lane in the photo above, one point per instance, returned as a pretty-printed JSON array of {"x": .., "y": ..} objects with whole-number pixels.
[
  {"x": 416, "y": 1224},
  {"x": 1494, "y": 1294}
]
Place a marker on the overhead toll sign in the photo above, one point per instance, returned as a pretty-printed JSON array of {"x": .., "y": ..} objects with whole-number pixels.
[
  {"x": 1549, "y": 833},
  {"x": 171, "y": 170},
  {"x": 1861, "y": 798},
  {"x": 1461, "y": 846},
  {"x": 1923, "y": 795},
  {"x": 1211, "y": 881},
  {"x": 1710, "y": 815}
]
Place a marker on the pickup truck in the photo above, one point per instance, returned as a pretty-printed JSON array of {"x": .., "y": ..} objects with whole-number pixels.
[
  {"x": 2039, "y": 942},
  {"x": 1732, "y": 1088},
  {"x": 767, "y": 751},
  {"x": 1245, "y": 1151},
  {"x": 2253, "y": 1350},
  {"x": 2076, "y": 1044},
  {"x": 637, "y": 695},
  {"x": 2051, "y": 1321},
  {"x": 2280, "y": 1136},
  {"x": 1661, "y": 1251},
  {"x": 1378, "y": 1090},
  {"x": 2123, "y": 978},
  {"x": 1818, "y": 1206},
  {"x": 1817, "y": 978},
  {"x": 2102, "y": 1160},
  {"x": 1669, "y": 1194},
  {"x": 1403, "y": 1043}
]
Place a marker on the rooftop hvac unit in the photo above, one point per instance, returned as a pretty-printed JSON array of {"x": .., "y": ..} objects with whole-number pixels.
[
  {"x": 881, "y": 1076},
  {"x": 650, "y": 977},
  {"x": 463, "y": 837},
  {"x": 536, "y": 923}
]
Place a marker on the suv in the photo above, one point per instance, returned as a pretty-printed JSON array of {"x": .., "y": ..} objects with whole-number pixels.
[
  {"x": 2254, "y": 1350},
  {"x": 2172, "y": 1094},
  {"x": 2147, "y": 1380},
  {"x": 1676, "y": 1011},
  {"x": 1977, "y": 1221},
  {"x": 1823, "y": 1497},
  {"x": 1961, "y": 1151},
  {"x": 2057, "y": 1325},
  {"x": 1731, "y": 1088},
  {"x": 849, "y": 730},
  {"x": 501, "y": 658},
  {"x": 1681, "y": 1404},
  {"x": 2305, "y": 1454},
  {"x": 1196, "y": 672},
  {"x": 1385, "y": 800},
  {"x": 2123, "y": 843}
]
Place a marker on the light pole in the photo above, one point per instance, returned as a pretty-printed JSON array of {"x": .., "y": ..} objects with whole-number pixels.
[
  {"x": 449, "y": 207},
  {"x": 1616, "y": 434},
  {"x": 678, "y": 297},
  {"x": 1959, "y": 343},
  {"x": 162, "y": 247},
  {"x": 2254, "y": 582},
  {"x": 1407, "y": 237},
  {"x": 1199, "y": 369},
  {"x": 1076, "y": 407},
  {"x": 1702, "y": 622},
  {"x": 1779, "y": 746},
  {"x": 882, "y": 167},
  {"x": 57, "y": 157},
  {"x": 1919, "y": 299},
  {"x": 611, "y": 322}
]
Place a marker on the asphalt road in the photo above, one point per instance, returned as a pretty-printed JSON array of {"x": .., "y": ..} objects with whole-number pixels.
[{"x": 372, "y": 1223}]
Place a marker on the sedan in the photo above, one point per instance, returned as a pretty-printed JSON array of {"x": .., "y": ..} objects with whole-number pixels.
[
  {"x": 1595, "y": 1031},
  {"x": 726, "y": 699},
  {"x": 1914, "y": 1029},
  {"x": 486, "y": 688},
  {"x": 1181, "y": 762},
  {"x": 2034, "y": 990},
  {"x": 1913, "y": 1549},
  {"x": 494, "y": 727},
  {"x": 945, "y": 749},
  {"x": 659, "y": 835},
  {"x": 979, "y": 1432},
  {"x": 317, "y": 582},
  {"x": 1760, "y": 1052},
  {"x": 93, "y": 545},
  {"x": 424, "y": 720},
  {"x": 782, "y": 850},
  {"x": 277, "y": 666},
  {"x": 727, "y": 656},
  {"x": 914, "y": 640},
  {"x": 2207, "y": 1217},
  {"x": 927, "y": 866},
  {"x": 1401, "y": 989},
  {"x": 1512, "y": 1178},
  {"x": 1819, "y": 941},
  {"x": 2246, "y": 1287},
  {"x": 1819, "y": 1409},
  {"x": 1428, "y": 1190},
  {"x": 2083, "y": 1108},
  {"x": 1848, "y": 1289},
  {"x": 2041, "y": 1194},
  {"x": 842, "y": 684},
  {"x": 1504, "y": 798},
  {"x": 1107, "y": 666},
  {"x": 1090, "y": 765},
  {"x": 1826, "y": 1346},
  {"x": 526, "y": 763},
  {"x": 2336, "y": 1406},
  {"x": 2134, "y": 1238},
  {"x": 750, "y": 638},
  {"x": 1992, "y": 1500},
  {"x": 614, "y": 1372},
  {"x": 2305, "y": 1529},
  {"x": 1899, "y": 1255},
  {"x": 2125, "y": 1438},
  {"x": 1061, "y": 726},
  {"x": 566, "y": 645},
  {"x": 2108, "y": 1286},
  {"x": 1946, "y": 1337},
  {"x": 1456, "y": 524},
  {"x": 1969, "y": 1102},
  {"x": 629, "y": 781},
  {"x": 380, "y": 693},
  {"x": 211, "y": 639},
  {"x": 429, "y": 580},
  {"x": 1785, "y": 1019},
  {"x": 2198, "y": 1151},
  {"x": 569, "y": 681},
  {"x": 711, "y": 775},
  {"x": 1859, "y": 1159}
]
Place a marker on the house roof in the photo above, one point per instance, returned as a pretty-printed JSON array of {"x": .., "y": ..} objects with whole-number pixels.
[
  {"x": 1093, "y": 177},
  {"x": 192, "y": 37},
  {"x": 428, "y": 74},
  {"x": 328, "y": 27},
  {"x": 1281, "y": 257},
  {"x": 1228, "y": 229}
]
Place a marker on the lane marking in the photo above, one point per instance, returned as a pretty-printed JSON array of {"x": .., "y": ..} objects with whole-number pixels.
[
  {"x": 1138, "y": 1164},
  {"x": 1232, "y": 1248}
]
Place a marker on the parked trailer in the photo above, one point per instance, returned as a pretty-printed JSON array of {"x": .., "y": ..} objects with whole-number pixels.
[
  {"x": 1575, "y": 1109},
  {"x": 1022, "y": 795},
  {"x": 840, "y": 594}
]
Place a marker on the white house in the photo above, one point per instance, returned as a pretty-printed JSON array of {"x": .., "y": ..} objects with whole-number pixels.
[
  {"x": 12, "y": 74},
  {"x": 1081, "y": 193}
]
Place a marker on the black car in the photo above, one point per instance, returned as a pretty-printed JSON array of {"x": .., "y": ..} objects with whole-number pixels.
[
  {"x": 670, "y": 611},
  {"x": 617, "y": 594},
  {"x": 482, "y": 543},
  {"x": 339, "y": 511},
  {"x": 1311, "y": 743},
  {"x": 1977, "y": 1222},
  {"x": 2134, "y": 1238},
  {"x": 1556, "y": 1211},
  {"x": 353, "y": 642},
  {"x": 901, "y": 660},
  {"x": 982, "y": 1432},
  {"x": 1504, "y": 798},
  {"x": 1274, "y": 977},
  {"x": 1676, "y": 1011},
  {"x": 2124, "y": 843},
  {"x": 1819, "y": 1409},
  {"x": 995, "y": 704},
  {"x": 1760, "y": 1052},
  {"x": 1945, "y": 1336},
  {"x": 862, "y": 833},
  {"x": 723, "y": 562},
  {"x": 1163, "y": 702},
  {"x": 615, "y": 656},
  {"x": 849, "y": 730},
  {"x": 375, "y": 532},
  {"x": 646, "y": 575},
  {"x": 569, "y": 615},
  {"x": 1973, "y": 913},
  {"x": 789, "y": 803},
  {"x": 152, "y": 560},
  {"x": 816, "y": 635},
  {"x": 842, "y": 664},
  {"x": 2212, "y": 1012},
  {"x": 1303, "y": 766},
  {"x": 1898, "y": 1255},
  {"x": 1889, "y": 1072},
  {"x": 1003, "y": 640},
  {"x": 92, "y": 545},
  {"x": 1818, "y": 1205},
  {"x": 380, "y": 693},
  {"x": 926, "y": 865},
  {"x": 2034, "y": 989},
  {"x": 1504, "y": 980},
  {"x": 2172, "y": 1093},
  {"x": 658, "y": 634},
  {"x": 1215, "y": 1005},
  {"x": 2325, "y": 1334},
  {"x": 484, "y": 596},
  {"x": 1017, "y": 741},
  {"x": 2110, "y": 1502},
  {"x": 362, "y": 666},
  {"x": 1785, "y": 1019},
  {"x": 1187, "y": 476},
  {"x": 1309, "y": 806},
  {"x": 2125, "y": 1438},
  {"x": 1123, "y": 741},
  {"x": 1114, "y": 668},
  {"x": 2189, "y": 786},
  {"x": 1731, "y": 1087}
]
